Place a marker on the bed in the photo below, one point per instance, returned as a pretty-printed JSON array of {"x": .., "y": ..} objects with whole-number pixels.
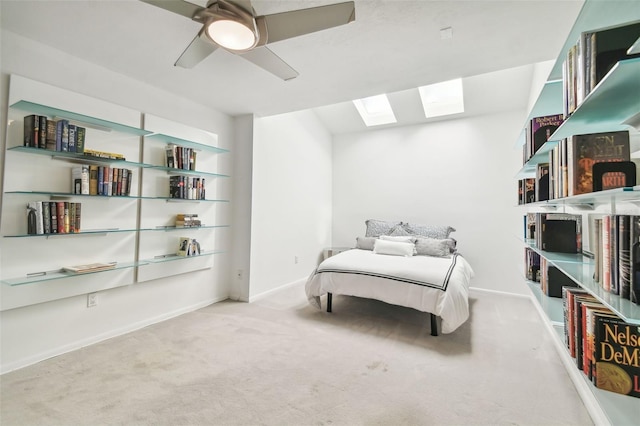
[{"x": 391, "y": 269}]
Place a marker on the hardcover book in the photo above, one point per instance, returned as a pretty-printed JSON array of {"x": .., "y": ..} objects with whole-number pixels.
[
  {"x": 542, "y": 128},
  {"x": 586, "y": 150},
  {"x": 617, "y": 356}
]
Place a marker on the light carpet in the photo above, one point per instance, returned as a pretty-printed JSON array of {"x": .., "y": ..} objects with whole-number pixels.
[{"x": 279, "y": 361}]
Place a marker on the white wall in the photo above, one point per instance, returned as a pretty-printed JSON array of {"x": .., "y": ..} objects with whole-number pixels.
[
  {"x": 291, "y": 205},
  {"x": 458, "y": 172},
  {"x": 36, "y": 332}
]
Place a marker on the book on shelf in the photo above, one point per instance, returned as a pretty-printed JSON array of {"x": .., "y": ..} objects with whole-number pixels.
[
  {"x": 559, "y": 232},
  {"x": 80, "y": 179},
  {"x": 539, "y": 130},
  {"x": 51, "y": 135},
  {"x": 81, "y": 134},
  {"x": 568, "y": 296},
  {"x": 31, "y": 131},
  {"x": 542, "y": 182},
  {"x": 553, "y": 279},
  {"x": 532, "y": 262},
  {"x": 617, "y": 355},
  {"x": 72, "y": 138},
  {"x": 64, "y": 142},
  {"x": 90, "y": 267},
  {"x": 586, "y": 150}
]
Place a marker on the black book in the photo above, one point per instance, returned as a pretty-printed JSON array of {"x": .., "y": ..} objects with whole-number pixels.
[
  {"x": 607, "y": 47},
  {"x": 560, "y": 236},
  {"x": 556, "y": 279}
]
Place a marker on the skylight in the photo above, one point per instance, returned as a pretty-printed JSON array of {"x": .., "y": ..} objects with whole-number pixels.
[
  {"x": 442, "y": 98},
  {"x": 375, "y": 110}
]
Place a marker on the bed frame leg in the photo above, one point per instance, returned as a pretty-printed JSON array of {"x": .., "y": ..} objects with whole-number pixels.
[
  {"x": 434, "y": 325},
  {"x": 329, "y": 300}
]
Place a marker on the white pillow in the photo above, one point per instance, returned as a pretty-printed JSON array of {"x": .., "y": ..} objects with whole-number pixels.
[
  {"x": 394, "y": 248},
  {"x": 401, "y": 239}
]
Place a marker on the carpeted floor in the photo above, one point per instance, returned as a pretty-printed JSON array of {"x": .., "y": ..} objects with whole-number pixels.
[{"x": 280, "y": 361}]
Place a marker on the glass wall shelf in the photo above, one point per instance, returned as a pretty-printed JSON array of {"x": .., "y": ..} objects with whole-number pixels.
[
  {"x": 159, "y": 137},
  {"x": 75, "y": 157},
  {"x": 626, "y": 194},
  {"x": 93, "y": 122},
  {"x": 171, "y": 199},
  {"x": 615, "y": 99},
  {"x": 183, "y": 172},
  {"x": 72, "y": 234},
  {"x": 552, "y": 306},
  {"x": 59, "y": 274},
  {"x": 70, "y": 195},
  {"x": 172, "y": 257},
  {"x": 183, "y": 228},
  {"x": 581, "y": 269}
]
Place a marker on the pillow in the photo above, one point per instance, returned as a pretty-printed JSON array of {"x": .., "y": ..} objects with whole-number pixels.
[
  {"x": 375, "y": 228},
  {"x": 394, "y": 248},
  {"x": 452, "y": 244},
  {"x": 365, "y": 243},
  {"x": 429, "y": 231},
  {"x": 433, "y": 247},
  {"x": 405, "y": 239},
  {"x": 399, "y": 231}
]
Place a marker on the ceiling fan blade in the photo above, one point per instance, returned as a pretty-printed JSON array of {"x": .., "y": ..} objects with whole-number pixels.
[
  {"x": 269, "y": 61},
  {"x": 180, "y": 7},
  {"x": 281, "y": 26},
  {"x": 198, "y": 49}
]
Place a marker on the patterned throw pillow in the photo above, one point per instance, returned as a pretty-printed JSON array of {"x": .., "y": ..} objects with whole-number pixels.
[
  {"x": 365, "y": 243},
  {"x": 433, "y": 247},
  {"x": 429, "y": 231},
  {"x": 375, "y": 228}
]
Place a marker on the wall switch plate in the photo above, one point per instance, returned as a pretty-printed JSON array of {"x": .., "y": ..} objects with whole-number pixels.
[{"x": 92, "y": 300}]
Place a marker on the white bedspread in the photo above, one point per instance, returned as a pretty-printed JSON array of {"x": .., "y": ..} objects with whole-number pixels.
[{"x": 439, "y": 285}]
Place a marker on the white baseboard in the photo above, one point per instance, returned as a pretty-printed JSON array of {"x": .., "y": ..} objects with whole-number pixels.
[
  {"x": 70, "y": 347},
  {"x": 274, "y": 290},
  {"x": 500, "y": 292}
]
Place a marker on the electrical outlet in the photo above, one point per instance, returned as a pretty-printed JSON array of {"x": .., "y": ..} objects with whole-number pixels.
[{"x": 92, "y": 300}]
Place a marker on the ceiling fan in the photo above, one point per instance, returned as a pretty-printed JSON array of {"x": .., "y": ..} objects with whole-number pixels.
[{"x": 234, "y": 26}]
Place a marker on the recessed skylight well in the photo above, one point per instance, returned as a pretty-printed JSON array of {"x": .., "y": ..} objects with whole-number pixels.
[
  {"x": 375, "y": 110},
  {"x": 443, "y": 98}
]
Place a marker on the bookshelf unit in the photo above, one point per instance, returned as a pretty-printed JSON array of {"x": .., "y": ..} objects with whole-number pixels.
[
  {"x": 114, "y": 228},
  {"x": 613, "y": 105}
]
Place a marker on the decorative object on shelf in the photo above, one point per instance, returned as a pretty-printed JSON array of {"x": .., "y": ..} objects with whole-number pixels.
[
  {"x": 626, "y": 168},
  {"x": 187, "y": 220},
  {"x": 188, "y": 247}
]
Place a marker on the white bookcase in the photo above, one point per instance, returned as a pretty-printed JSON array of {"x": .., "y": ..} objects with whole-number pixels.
[{"x": 613, "y": 105}]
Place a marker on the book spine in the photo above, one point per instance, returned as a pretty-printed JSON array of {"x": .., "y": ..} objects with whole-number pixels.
[
  {"x": 72, "y": 138},
  {"x": 42, "y": 132},
  {"x": 80, "y": 139},
  {"x": 53, "y": 209}
]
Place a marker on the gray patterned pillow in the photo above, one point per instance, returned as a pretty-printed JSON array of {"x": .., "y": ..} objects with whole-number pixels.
[
  {"x": 433, "y": 247},
  {"x": 375, "y": 228},
  {"x": 399, "y": 231},
  {"x": 365, "y": 243},
  {"x": 429, "y": 231}
]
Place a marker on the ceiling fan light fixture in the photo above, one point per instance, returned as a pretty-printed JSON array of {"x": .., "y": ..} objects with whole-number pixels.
[{"x": 231, "y": 34}]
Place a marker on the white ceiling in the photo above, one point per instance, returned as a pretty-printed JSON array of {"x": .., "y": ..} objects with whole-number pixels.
[{"x": 393, "y": 46}]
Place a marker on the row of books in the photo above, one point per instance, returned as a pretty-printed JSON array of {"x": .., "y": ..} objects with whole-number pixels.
[
  {"x": 60, "y": 135},
  {"x": 591, "y": 58},
  {"x": 605, "y": 348},
  {"x": 180, "y": 157},
  {"x": 569, "y": 170},
  {"x": 531, "y": 265},
  {"x": 537, "y": 132},
  {"x": 187, "y": 188},
  {"x": 101, "y": 180},
  {"x": 188, "y": 220},
  {"x": 616, "y": 250},
  {"x": 53, "y": 217}
]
